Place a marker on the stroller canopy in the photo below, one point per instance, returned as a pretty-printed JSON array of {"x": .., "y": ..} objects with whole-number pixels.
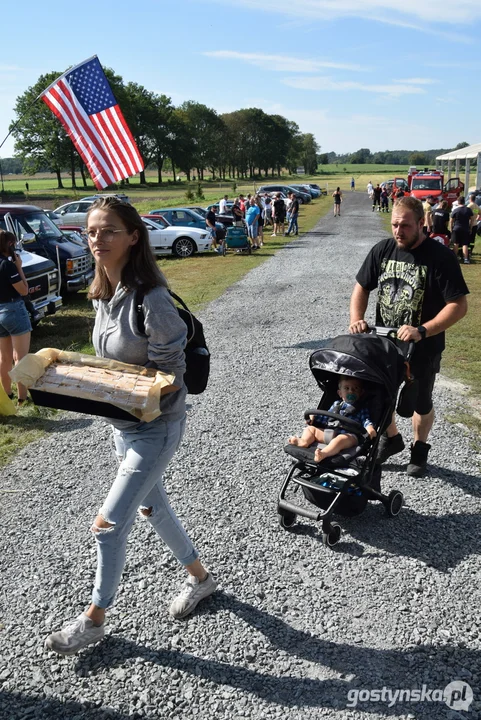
[{"x": 367, "y": 357}]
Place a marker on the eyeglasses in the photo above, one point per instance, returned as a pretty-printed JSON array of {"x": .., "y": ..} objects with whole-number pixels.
[{"x": 104, "y": 235}]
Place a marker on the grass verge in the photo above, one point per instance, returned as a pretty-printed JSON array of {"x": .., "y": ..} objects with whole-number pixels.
[{"x": 198, "y": 280}]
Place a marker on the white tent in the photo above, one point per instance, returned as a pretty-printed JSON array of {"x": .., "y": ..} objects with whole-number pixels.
[{"x": 465, "y": 155}]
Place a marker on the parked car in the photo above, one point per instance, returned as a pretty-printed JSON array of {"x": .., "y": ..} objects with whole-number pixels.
[
  {"x": 57, "y": 219},
  {"x": 302, "y": 196},
  {"x": 119, "y": 196},
  {"x": 41, "y": 273},
  {"x": 41, "y": 236},
  {"x": 78, "y": 229},
  {"x": 314, "y": 191},
  {"x": 78, "y": 238},
  {"x": 226, "y": 219},
  {"x": 304, "y": 188},
  {"x": 167, "y": 239},
  {"x": 75, "y": 213},
  {"x": 186, "y": 217}
]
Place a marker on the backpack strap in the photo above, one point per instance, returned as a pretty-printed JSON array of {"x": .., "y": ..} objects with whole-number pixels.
[
  {"x": 188, "y": 318},
  {"x": 139, "y": 299}
]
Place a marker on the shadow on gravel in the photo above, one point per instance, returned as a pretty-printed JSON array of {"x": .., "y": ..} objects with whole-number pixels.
[
  {"x": 14, "y": 706},
  {"x": 441, "y": 542},
  {"x": 307, "y": 345},
  {"x": 469, "y": 483},
  {"x": 61, "y": 426},
  {"x": 359, "y": 666}
]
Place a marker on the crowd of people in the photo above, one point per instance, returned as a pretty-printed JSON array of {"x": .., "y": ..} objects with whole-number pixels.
[
  {"x": 254, "y": 213},
  {"x": 457, "y": 227}
]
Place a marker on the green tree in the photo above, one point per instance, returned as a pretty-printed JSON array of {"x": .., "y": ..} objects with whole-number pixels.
[
  {"x": 360, "y": 157},
  {"x": 40, "y": 139},
  {"x": 310, "y": 149},
  {"x": 204, "y": 126},
  {"x": 419, "y": 158}
]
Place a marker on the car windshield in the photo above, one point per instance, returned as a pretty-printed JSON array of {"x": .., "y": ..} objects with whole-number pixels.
[
  {"x": 39, "y": 224},
  {"x": 159, "y": 222},
  {"x": 426, "y": 184}
]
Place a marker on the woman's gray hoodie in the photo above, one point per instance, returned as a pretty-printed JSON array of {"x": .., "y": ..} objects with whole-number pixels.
[{"x": 116, "y": 336}]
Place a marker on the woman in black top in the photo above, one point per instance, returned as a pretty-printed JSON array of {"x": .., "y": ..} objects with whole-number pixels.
[
  {"x": 337, "y": 201},
  {"x": 15, "y": 325}
]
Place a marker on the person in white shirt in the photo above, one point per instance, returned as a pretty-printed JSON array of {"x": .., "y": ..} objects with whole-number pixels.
[
  {"x": 370, "y": 189},
  {"x": 223, "y": 205}
]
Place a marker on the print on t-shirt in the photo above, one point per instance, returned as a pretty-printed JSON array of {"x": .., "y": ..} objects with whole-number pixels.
[{"x": 401, "y": 293}]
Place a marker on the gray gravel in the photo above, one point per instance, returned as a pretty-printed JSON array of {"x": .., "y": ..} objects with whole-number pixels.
[{"x": 296, "y": 626}]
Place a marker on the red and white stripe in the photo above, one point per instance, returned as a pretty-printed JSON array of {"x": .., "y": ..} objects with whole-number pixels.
[{"x": 103, "y": 140}]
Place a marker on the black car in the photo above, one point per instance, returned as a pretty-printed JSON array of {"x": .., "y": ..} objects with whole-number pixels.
[{"x": 303, "y": 197}]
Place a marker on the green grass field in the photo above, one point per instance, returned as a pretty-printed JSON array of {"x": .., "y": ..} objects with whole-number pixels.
[{"x": 44, "y": 192}]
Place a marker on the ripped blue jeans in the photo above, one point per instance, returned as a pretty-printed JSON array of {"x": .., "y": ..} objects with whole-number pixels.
[{"x": 143, "y": 453}]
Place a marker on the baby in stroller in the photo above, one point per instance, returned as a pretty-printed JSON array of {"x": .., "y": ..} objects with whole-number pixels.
[{"x": 322, "y": 429}]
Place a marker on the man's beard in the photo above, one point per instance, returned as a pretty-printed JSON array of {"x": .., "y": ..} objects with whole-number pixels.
[{"x": 408, "y": 244}]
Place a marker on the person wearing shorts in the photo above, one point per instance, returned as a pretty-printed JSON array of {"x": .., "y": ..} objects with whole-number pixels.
[
  {"x": 252, "y": 218},
  {"x": 15, "y": 327},
  {"x": 279, "y": 215},
  {"x": 461, "y": 219},
  {"x": 337, "y": 195},
  {"x": 422, "y": 292}
]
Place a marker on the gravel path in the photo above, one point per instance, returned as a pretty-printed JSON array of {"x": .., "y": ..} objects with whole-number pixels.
[{"x": 297, "y": 630}]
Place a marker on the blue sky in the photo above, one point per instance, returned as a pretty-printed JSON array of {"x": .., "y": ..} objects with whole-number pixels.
[{"x": 356, "y": 73}]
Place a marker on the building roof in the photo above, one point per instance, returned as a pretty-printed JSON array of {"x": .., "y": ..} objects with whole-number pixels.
[{"x": 471, "y": 151}]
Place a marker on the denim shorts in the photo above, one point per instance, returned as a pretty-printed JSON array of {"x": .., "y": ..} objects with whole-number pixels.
[{"x": 14, "y": 319}]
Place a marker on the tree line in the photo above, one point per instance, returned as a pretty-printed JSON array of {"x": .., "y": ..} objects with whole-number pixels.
[
  {"x": 190, "y": 138},
  {"x": 388, "y": 157}
]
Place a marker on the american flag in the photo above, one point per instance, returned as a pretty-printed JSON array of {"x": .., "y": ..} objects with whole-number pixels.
[{"x": 85, "y": 105}]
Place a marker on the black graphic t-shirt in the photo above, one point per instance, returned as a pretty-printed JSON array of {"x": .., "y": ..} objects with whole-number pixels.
[{"x": 413, "y": 286}]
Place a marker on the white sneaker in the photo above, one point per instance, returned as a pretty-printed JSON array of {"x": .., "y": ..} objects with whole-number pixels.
[
  {"x": 273, "y": 235},
  {"x": 76, "y": 635},
  {"x": 191, "y": 594}
]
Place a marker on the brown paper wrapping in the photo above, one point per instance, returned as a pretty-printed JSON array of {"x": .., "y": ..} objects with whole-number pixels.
[{"x": 32, "y": 367}]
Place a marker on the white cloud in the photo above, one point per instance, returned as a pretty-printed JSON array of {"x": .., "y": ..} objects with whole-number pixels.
[
  {"x": 321, "y": 83},
  {"x": 417, "y": 81},
  {"x": 283, "y": 63},
  {"x": 427, "y": 13}
]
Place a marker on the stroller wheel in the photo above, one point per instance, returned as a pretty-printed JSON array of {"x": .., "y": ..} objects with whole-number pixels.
[
  {"x": 333, "y": 536},
  {"x": 287, "y": 520},
  {"x": 394, "y": 503}
]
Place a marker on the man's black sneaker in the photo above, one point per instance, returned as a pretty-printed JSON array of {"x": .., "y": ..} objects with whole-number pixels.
[
  {"x": 419, "y": 459},
  {"x": 389, "y": 446}
]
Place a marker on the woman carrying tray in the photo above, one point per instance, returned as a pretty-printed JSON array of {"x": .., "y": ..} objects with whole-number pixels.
[{"x": 120, "y": 244}]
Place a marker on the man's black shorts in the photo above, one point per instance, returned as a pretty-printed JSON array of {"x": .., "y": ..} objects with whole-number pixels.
[
  {"x": 424, "y": 370},
  {"x": 461, "y": 237}
]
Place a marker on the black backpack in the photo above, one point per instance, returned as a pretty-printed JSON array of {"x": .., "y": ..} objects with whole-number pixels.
[{"x": 197, "y": 355}]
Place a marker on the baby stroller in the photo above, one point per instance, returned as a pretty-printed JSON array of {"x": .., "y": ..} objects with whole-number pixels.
[{"x": 344, "y": 483}]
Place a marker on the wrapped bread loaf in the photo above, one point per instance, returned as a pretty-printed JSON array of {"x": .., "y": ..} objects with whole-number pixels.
[{"x": 131, "y": 388}]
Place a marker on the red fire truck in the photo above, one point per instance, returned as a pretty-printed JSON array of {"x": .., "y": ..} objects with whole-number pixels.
[{"x": 430, "y": 183}]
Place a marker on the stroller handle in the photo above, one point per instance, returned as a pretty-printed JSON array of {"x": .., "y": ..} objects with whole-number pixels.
[
  {"x": 346, "y": 423},
  {"x": 391, "y": 333}
]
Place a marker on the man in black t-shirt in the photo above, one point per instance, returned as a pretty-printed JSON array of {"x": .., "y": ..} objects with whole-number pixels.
[
  {"x": 422, "y": 292},
  {"x": 461, "y": 219}
]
